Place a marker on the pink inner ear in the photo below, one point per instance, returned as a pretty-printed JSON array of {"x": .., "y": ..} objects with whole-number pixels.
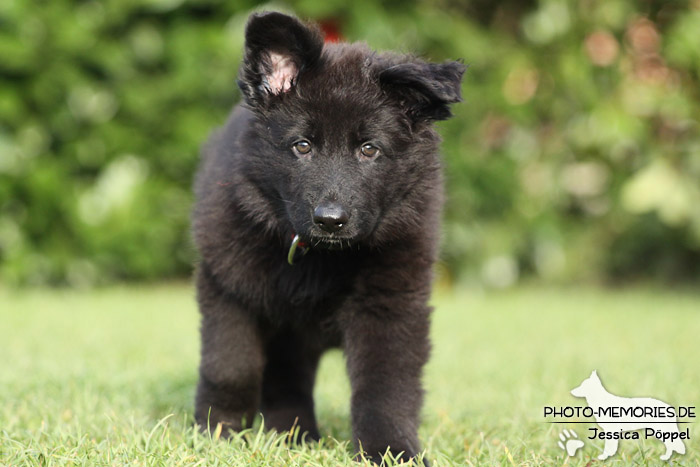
[{"x": 282, "y": 75}]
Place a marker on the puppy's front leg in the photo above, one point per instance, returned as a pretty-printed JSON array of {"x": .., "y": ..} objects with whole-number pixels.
[
  {"x": 385, "y": 356},
  {"x": 232, "y": 362}
]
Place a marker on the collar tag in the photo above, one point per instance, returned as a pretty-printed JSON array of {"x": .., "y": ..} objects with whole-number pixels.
[{"x": 296, "y": 243}]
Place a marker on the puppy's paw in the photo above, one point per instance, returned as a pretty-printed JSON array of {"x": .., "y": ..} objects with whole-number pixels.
[{"x": 381, "y": 457}]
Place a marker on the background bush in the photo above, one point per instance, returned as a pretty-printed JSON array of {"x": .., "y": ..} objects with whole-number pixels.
[{"x": 576, "y": 154}]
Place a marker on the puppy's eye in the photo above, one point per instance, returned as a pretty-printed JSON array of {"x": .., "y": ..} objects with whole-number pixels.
[
  {"x": 302, "y": 147},
  {"x": 369, "y": 150}
]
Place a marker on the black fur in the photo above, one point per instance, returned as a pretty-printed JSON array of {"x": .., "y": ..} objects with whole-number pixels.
[{"x": 365, "y": 287}]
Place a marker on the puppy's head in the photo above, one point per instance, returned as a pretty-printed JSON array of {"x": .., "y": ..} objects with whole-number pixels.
[{"x": 342, "y": 143}]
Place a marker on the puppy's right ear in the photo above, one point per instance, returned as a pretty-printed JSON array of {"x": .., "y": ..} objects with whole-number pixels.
[{"x": 278, "y": 48}]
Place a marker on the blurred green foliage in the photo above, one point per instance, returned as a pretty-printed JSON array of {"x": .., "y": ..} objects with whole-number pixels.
[{"x": 576, "y": 155}]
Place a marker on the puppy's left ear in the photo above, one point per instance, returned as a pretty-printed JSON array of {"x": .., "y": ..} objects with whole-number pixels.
[
  {"x": 278, "y": 48},
  {"x": 425, "y": 90}
]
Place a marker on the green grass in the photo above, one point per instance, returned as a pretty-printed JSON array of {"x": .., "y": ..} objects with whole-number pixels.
[{"x": 107, "y": 378}]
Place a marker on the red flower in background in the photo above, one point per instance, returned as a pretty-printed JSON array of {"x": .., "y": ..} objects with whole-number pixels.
[{"x": 331, "y": 30}]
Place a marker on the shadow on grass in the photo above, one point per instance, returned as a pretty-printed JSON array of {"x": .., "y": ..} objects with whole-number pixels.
[{"x": 175, "y": 395}]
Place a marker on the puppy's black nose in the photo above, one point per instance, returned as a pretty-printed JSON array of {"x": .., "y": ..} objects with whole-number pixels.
[{"x": 330, "y": 217}]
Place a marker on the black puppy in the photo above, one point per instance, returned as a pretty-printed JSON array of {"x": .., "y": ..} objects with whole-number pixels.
[{"x": 317, "y": 220}]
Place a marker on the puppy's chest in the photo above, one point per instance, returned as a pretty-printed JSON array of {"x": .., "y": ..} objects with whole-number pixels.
[
  {"x": 312, "y": 281},
  {"x": 314, "y": 285}
]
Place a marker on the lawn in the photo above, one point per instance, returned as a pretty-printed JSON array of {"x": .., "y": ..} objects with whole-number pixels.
[{"x": 107, "y": 377}]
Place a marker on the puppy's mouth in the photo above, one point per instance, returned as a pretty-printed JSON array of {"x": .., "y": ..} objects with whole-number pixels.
[
  {"x": 318, "y": 239},
  {"x": 332, "y": 243}
]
